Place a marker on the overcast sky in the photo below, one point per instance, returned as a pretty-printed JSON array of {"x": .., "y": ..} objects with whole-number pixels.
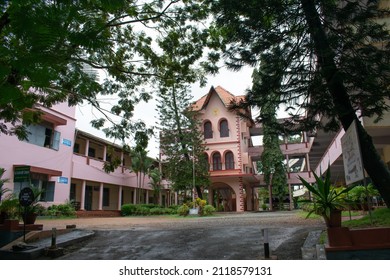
[{"x": 235, "y": 82}]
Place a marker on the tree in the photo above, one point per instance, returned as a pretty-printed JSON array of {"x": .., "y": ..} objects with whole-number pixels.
[
  {"x": 180, "y": 138},
  {"x": 272, "y": 157},
  {"x": 57, "y": 51},
  {"x": 181, "y": 142},
  {"x": 140, "y": 162},
  {"x": 333, "y": 57},
  {"x": 155, "y": 183}
]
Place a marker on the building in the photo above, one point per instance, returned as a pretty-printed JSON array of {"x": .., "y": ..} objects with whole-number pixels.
[
  {"x": 232, "y": 156},
  {"x": 67, "y": 164}
]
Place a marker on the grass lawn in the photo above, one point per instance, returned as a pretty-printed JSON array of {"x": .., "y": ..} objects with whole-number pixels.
[{"x": 380, "y": 218}]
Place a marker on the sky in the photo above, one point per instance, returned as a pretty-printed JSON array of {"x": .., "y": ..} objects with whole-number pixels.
[{"x": 235, "y": 82}]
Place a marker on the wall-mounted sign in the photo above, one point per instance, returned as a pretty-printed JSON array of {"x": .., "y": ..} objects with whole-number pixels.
[
  {"x": 67, "y": 142},
  {"x": 63, "y": 180},
  {"x": 21, "y": 173},
  {"x": 353, "y": 164},
  {"x": 26, "y": 197}
]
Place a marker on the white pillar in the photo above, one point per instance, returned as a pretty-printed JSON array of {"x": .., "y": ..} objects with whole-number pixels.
[
  {"x": 101, "y": 197},
  {"x": 104, "y": 153},
  {"x": 175, "y": 198},
  {"x": 147, "y": 197},
  {"x": 135, "y": 196},
  {"x": 82, "y": 202},
  {"x": 86, "y": 147},
  {"x": 120, "y": 197}
]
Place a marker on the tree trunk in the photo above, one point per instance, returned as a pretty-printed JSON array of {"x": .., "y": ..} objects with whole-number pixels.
[{"x": 372, "y": 162}]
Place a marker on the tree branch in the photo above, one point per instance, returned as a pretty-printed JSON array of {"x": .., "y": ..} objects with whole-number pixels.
[{"x": 4, "y": 20}]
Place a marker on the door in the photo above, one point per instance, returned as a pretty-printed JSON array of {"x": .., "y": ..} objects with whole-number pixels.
[{"x": 88, "y": 198}]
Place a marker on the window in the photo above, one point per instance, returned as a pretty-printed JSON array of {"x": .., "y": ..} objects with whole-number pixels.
[
  {"x": 76, "y": 148},
  {"x": 72, "y": 194},
  {"x": 47, "y": 191},
  {"x": 223, "y": 129},
  {"x": 44, "y": 135},
  {"x": 91, "y": 152},
  {"x": 217, "y": 163},
  {"x": 208, "y": 131},
  {"x": 229, "y": 160},
  {"x": 106, "y": 197}
]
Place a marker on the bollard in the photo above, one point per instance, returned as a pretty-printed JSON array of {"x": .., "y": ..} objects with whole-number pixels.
[
  {"x": 266, "y": 244},
  {"x": 53, "y": 238},
  {"x": 54, "y": 251}
]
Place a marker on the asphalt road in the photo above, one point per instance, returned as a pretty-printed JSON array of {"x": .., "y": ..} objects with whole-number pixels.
[{"x": 221, "y": 237}]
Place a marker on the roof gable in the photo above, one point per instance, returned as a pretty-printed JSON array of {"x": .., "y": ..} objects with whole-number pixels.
[{"x": 225, "y": 96}]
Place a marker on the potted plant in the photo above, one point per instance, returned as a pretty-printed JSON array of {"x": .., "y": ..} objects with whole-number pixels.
[
  {"x": 328, "y": 201},
  {"x": 9, "y": 208},
  {"x": 30, "y": 213}
]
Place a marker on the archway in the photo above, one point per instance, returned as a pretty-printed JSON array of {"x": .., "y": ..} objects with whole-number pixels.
[{"x": 223, "y": 197}]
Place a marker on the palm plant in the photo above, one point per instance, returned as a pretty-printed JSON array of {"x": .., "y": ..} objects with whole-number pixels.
[
  {"x": 155, "y": 183},
  {"x": 327, "y": 200},
  {"x": 2, "y": 182},
  {"x": 140, "y": 165}
]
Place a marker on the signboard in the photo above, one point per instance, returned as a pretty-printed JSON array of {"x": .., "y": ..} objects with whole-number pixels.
[
  {"x": 22, "y": 173},
  {"x": 26, "y": 197},
  {"x": 66, "y": 142},
  {"x": 353, "y": 163},
  {"x": 62, "y": 180}
]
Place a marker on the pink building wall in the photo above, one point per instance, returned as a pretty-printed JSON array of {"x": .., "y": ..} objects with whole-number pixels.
[
  {"x": 15, "y": 152},
  {"x": 64, "y": 167},
  {"x": 214, "y": 108}
]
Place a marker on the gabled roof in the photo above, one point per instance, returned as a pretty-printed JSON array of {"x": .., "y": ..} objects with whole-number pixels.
[{"x": 225, "y": 96}]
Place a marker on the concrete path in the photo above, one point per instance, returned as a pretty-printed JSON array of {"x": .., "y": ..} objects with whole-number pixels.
[{"x": 223, "y": 236}]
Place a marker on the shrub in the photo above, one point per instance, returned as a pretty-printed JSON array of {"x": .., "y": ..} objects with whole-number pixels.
[
  {"x": 183, "y": 210},
  {"x": 208, "y": 210},
  {"x": 142, "y": 211},
  {"x": 66, "y": 209},
  {"x": 174, "y": 207},
  {"x": 128, "y": 209},
  {"x": 157, "y": 211}
]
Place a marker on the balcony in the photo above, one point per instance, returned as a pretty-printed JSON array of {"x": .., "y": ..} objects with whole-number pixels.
[{"x": 91, "y": 169}]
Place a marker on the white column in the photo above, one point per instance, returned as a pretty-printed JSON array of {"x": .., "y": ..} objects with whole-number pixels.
[
  {"x": 147, "y": 197},
  {"x": 86, "y": 147},
  {"x": 120, "y": 197},
  {"x": 175, "y": 198},
  {"x": 135, "y": 196},
  {"x": 82, "y": 200},
  {"x": 104, "y": 153},
  {"x": 101, "y": 197}
]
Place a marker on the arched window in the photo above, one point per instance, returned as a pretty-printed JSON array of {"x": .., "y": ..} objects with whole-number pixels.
[
  {"x": 229, "y": 160},
  {"x": 217, "y": 163},
  {"x": 223, "y": 128},
  {"x": 207, "y": 130}
]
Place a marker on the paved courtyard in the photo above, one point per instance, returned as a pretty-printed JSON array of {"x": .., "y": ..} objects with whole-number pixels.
[{"x": 223, "y": 236}]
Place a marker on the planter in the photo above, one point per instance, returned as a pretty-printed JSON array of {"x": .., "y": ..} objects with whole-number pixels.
[
  {"x": 358, "y": 244},
  {"x": 3, "y": 217},
  {"x": 334, "y": 219},
  {"x": 30, "y": 218}
]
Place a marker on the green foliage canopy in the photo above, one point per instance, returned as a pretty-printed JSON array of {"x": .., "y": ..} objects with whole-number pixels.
[{"x": 60, "y": 51}]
